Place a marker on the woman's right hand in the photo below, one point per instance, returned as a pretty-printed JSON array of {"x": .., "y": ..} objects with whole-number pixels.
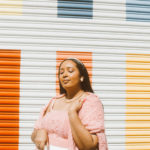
[{"x": 41, "y": 139}]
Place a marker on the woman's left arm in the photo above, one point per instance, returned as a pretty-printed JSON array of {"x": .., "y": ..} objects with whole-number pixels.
[{"x": 82, "y": 137}]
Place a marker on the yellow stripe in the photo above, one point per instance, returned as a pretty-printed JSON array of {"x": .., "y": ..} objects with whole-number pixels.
[
  {"x": 133, "y": 124},
  {"x": 10, "y": 7},
  {"x": 137, "y": 102},
  {"x": 145, "y": 73},
  {"x": 140, "y": 132},
  {"x": 139, "y": 147},
  {"x": 133, "y": 117}
]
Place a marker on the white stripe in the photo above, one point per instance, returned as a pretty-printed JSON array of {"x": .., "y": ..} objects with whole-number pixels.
[
  {"x": 109, "y": 10},
  {"x": 35, "y": 99},
  {"x": 52, "y": 147},
  {"x": 37, "y": 8},
  {"x": 111, "y": 91}
]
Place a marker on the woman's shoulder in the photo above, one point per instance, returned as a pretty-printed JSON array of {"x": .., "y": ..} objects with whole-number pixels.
[
  {"x": 58, "y": 96},
  {"x": 92, "y": 99},
  {"x": 44, "y": 108},
  {"x": 92, "y": 103},
  {"x": 92, "y": 96}
]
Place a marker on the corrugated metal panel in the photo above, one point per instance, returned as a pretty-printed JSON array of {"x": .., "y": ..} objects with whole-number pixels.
[
  {"x": 138, "y": 10},
  {"x": 9, "y": 98},
  {"x": 138, "y": 114},
  {"x": 34, "y": 27},
  {"x": 37, "y": 86},
  {"x": 9, "y": 7},
  {"x": 109, "y": 82},
  {"x": 75, "y": 9}
]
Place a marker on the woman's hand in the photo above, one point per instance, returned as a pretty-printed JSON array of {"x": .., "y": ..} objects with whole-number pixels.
[
  {"x": 41, "y": 139},
  {"x": 76, "y": 105}
]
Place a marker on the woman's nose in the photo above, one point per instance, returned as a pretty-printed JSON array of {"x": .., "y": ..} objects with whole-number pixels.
[{"x": 65, "y": 74}]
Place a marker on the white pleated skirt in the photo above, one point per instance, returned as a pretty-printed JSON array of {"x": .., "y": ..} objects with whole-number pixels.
[{"x": 52, "y": 147}]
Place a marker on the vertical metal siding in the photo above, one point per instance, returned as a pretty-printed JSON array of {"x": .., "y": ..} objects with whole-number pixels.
[
  {"x": 75, "y": 9},
  {"x": 138, "y": 114},
  {"x": 109, "y": 82},
  {"x": 110, "y": 35},
  {"x": 9, "y": 7},
  {"x": 37, "y": 86},
  {"x": 9, "y": 99},
  {"x": 138, "y": 10}
]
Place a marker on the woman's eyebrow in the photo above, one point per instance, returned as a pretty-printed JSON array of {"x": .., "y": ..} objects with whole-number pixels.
[{"x": 67, "y": 67}]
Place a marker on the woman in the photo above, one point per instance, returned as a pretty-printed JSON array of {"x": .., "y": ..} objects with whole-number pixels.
[{"x": 74, "y": 120}]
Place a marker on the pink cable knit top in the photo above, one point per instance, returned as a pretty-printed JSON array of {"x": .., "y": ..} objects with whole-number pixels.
[{"x": 56, "y": 122}]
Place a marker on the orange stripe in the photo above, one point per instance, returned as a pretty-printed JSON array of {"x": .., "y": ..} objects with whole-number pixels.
[
  {"x": 10, "y": 78},
  {"x": 9, "y": 108},
  {"x": 10, "y": 51},
  {"x": 11, "y": 70},
  {"x": 6, "y": 74},
  {"x": 7, "y": 63},
  {"x": 16, "y": 94},
  {"x": 9, "y": 86},
  {"x": 9, "y": 147},
  {"x": 9, "y": 117},
  {"x": 8, "y": 132},
  {"x": 6, "y": 139},
  {"x": 9, "y": 55},
  {"x": 10, "y": 125},
  {"x": 85, "y": 57},
  {"x": 8, "y": 90},
  {"x": 9, "y": 99}
]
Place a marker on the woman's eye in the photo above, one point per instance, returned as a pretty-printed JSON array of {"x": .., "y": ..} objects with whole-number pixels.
[
  {"x": 70, "y": 71},
  {"x": 61, "y": 72}
]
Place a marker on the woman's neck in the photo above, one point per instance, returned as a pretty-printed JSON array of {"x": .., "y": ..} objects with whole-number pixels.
[{"x": 73, "y": 92}]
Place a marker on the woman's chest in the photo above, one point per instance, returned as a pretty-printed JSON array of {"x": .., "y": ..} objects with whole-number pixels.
[
  {"x": 58, "y": 105},
  {"x": 56, "y": 122}
]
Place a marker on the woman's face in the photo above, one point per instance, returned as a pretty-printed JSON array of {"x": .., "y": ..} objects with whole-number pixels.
[{"x": 69, "y": 75}]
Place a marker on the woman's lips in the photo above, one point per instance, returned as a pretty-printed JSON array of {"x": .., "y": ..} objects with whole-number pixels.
[{"x": 66, "y": 81}]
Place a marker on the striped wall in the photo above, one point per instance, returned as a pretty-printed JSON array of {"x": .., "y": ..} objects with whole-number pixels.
[
  {"x": 137, "y": 101},
  {"x": 112, "y": 38},
  {"x": 75, "y": 9},
  {"x": 138, "y": 10},
  {"x": 11, "y": 7},
  {"x": 37, "y": 86},
  {"x": 9, "y": 99}
]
